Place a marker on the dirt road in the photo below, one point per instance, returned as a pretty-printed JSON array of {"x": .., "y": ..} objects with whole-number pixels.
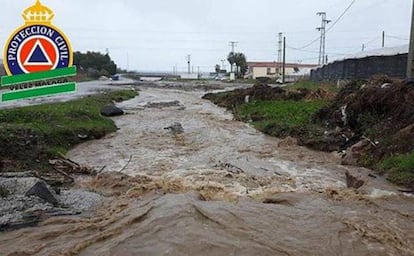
[{"x": 219, "y": 188}]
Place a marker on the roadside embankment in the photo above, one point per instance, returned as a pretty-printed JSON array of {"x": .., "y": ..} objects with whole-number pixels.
[
  {"x": 34, "y": 174},
  {"x": 370, "y": 122}
]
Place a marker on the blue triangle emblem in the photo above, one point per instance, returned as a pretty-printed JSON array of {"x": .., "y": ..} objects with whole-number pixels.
[{"x": 38, "y": 56}]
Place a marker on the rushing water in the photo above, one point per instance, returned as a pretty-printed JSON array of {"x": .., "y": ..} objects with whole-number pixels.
[{"x": 220, "y": 188}]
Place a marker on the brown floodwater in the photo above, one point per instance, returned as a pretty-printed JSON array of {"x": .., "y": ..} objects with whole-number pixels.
[{"x": 220, "y": 188}]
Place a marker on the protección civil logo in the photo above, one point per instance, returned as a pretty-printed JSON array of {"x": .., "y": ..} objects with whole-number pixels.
[{"x": 38, "y": 58}]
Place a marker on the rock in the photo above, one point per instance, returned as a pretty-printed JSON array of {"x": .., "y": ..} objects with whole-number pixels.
[
  {"x": 17, "y": 185},
  {"x": 13, "y": 211},
  {"x": 175, "y": 128},
  {"x": 352, "y": 181},
  {"x": 111, "y": 110},
  {"x": 165, "y": 104},
  {"x": 41, "y": 190},
  {"x": 28, "y": 187},
  {"x": 83, "y": 201},
  {"x": 354, "y": 154},
  {"x": 3, "y": 192}
]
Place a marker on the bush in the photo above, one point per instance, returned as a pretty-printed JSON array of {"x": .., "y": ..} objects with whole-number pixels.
[
  {"x": 400, "y": 169},
  {"x": 264, "y": 80}
]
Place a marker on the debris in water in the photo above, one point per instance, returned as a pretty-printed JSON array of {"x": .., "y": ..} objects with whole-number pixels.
[
  {"x": 175, "y": 128},
  {"x": 229, "y": 167},
  {"x": 353, "y": 182},
  {"x": 167, "y": 104}
]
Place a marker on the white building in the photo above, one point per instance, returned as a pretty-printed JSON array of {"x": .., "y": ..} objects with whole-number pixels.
[{"x": 274, "y": 70}]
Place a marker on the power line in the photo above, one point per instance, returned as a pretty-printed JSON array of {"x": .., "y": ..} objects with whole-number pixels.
[
  {"x": 307, "y": 45},
  {"x": 372, "y": 40},
  {"x": 333, "y": 24},
  {"x": 341, "y": 16},
  {"x": 398, "y": 38},
  {"x": 315, "y": 51}
]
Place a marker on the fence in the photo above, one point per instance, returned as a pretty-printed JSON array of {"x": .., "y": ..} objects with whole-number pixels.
[{"x": 393, "y": 66}]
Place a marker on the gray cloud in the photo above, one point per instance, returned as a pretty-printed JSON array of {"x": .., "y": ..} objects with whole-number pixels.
[{"x": 158, "y": 34}]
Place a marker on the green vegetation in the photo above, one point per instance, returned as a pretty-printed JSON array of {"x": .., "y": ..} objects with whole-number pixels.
[
  {"x": 280, "y": 118},
  {"x": 32, "y": 135},
  {"x": 400, "y": 169},
  {"x": 95, "y": 64}
]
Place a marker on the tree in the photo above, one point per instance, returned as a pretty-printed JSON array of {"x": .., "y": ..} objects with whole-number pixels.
[
  {"x": 231, "y": 59},
  {"x": 241, "y": 63},
  {"x": 217, "y": 69},
  {"x": 102, "y": 63}
]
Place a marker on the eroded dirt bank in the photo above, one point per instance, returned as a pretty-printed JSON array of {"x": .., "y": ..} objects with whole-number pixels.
[{"x": 219, "y": 188}]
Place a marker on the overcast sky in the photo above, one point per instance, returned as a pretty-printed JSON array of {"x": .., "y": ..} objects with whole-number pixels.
[{"x": 158, "y": 34}]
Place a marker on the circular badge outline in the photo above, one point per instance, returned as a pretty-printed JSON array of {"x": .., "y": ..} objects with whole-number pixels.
[
  {"x": 24, "y": 42},
  {"x": 17, "y": 30}
]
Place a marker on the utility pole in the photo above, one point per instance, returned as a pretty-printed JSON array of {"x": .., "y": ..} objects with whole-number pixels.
[
  {"x": 233, "y": 46},
  {"x": 189, "y": 63},
  {"x": 279, "y": 52},
  {"x": 284, "y": 61},
  {"x": 410, "y": 64},
  {"x": 322, "y": 29},
  {"x": 383, "y": 39}
]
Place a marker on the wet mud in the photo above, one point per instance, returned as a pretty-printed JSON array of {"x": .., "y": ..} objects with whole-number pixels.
[{"x": 219, "y": 188}]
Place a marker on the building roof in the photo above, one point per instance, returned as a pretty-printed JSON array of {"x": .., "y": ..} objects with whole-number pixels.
[
  {"x": 386, "y": 51},
  {"x": 264, "y": 64}
]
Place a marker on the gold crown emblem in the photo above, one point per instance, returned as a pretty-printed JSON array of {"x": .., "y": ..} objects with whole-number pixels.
[{"x": 38, "y": 14}]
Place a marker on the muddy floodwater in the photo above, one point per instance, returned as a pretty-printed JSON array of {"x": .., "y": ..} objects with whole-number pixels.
[{"x": 218, "y": 188}]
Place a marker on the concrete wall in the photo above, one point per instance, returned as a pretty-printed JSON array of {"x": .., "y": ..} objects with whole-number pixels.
[
  {"x": 192, "y": 76},
  {"x": 259, "y": 72},
  {"x": 364, "y": 68}
]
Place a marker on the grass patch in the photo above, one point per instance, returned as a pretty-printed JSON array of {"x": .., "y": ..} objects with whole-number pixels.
[
  {"x": 32, "y": 135},
  {"x": 400, "y": 169},
  {"x": 279, "y": 118}
]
